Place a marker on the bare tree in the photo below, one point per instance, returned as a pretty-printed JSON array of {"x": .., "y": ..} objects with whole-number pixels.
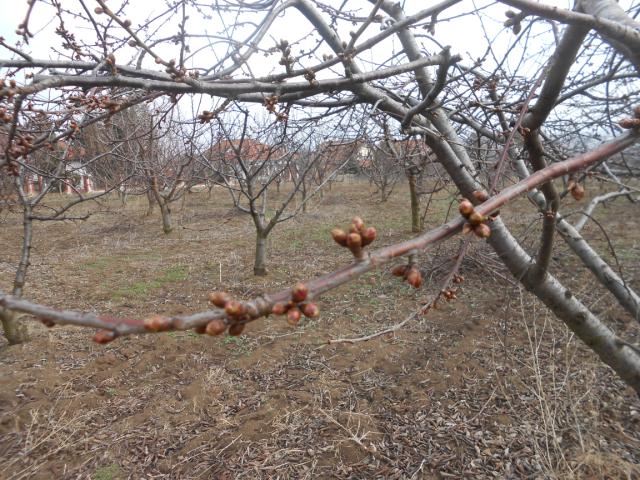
[
  {"x": 250, "y": 156},
  {"x": 525, "y": 104}
]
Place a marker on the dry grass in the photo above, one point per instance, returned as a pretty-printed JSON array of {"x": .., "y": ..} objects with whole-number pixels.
[{"x": 491, "y": 386}]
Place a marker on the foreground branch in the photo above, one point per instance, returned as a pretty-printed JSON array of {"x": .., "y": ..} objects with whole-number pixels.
[{"x": 262, "y": 306}]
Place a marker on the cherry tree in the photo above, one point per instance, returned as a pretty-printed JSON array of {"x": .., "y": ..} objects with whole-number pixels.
[{"x": 522, "y": 93}]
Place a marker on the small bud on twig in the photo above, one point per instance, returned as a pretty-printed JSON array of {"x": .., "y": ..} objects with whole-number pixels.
[
  {"x": 399, "y": 271},
  {"x": 481, "y": 195},
  {"x": 104, "y": 336},
  {"x": 279, "y": 308},
  {"x": 215, "y": 327},
  {"x": 465, "y": 208},
  {"x": 236, "y": 329},
  {"x": 157, "y": 323},
  {"x": 368, "y": 235},
  {"x": 476, "y": 218},
  {"x": 47, "y": 322},
  {"x": 299, "y": 292},
  {"x": 293, "y": 316},
  {"x": 414, "y": 278},
  {"x": 340, "y": 236},
  {"x": 482, "y": 230},
  {"x": 234, "y": 308},
  {"x": 577, "y": 192},
  {"x": 310, "y": 310}
]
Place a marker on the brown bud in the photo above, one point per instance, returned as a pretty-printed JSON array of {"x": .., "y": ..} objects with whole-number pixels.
[
  {"x": 465, "y": 208},
  {"x": 157, "y": 323},
  {"x": 358, "y": 223},
  {"x": 476, "y": 218},
  {"x": 98, "y": 10},
  {"x": 236, "y": 329},
  {"x": 482, "y": 230},
  {"x": 219, "y": 299},
  {"x": 399, "y": 271},
  {"x": 368, "y": 235},
  {"x": 104, "y": 336},
  {"x": 215, "y": 327},
  {"x": 47, "y": 322},
  {"x": 279, "y": 308},
  {"x": 235, "y": 308},
  {"x": 577, "y": 192},
  {"x": 629, "y": 123},
  {"x": 127, "y": 23},
  {"x": 310, "y": 310},
  {"x": 481, "y": 195},
  {"x": 299, "y": 292},
  {"x": 636, "y": 111},
  {"x": 414, "y": 278},
  {"x": 252, "y": 310},
  {"x": 340, "y": 236},
  {"x": 293, "y": 316},
  {"x": 354, "y": 240},
  {"x": 158, "y": 60}
]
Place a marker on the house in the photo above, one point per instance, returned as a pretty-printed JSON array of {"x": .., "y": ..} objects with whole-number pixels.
[
  {"x": 351, "y": 155},
  {"x": 76, "y": 177}
]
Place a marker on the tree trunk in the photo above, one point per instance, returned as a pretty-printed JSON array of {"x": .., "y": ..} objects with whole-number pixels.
[
  {"x": 304, "y": 196},
  {"x": 167, "y": 227},
  {"x": 260, "y": 265},
  {"x": 14, "y": 330},
  {"x": 151, "y": 205},
  {"x": 416, "y": 221}
]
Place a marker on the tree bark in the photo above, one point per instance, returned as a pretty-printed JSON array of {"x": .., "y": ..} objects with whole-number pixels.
[
  {"x": 260, "y": 264},
  {"x": 151, "y": 205},
  {"x": 15, "y": 331},
  {"x": 416, "y": 220},
  {"x": 167, "y": 226}
]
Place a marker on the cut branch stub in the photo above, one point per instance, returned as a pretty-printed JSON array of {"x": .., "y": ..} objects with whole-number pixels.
[{"x": 358, "y": 237}]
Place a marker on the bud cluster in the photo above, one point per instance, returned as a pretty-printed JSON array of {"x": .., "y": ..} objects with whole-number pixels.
[
  {"x": 410, "y": 273},
  {"x": 357, "y": 238},
  {"x": 237, "y": 315},
  {"x": 631, "y": 123},
  {"x": 296, "y": 307},
  {"x": 476, "y": 222}
]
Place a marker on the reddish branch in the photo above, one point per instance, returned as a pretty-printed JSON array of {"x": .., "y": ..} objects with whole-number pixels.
[{"x": 263, "y": 305}]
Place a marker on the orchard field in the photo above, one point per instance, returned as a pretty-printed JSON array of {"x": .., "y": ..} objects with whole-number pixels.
[{"x": 490, "y": 385}]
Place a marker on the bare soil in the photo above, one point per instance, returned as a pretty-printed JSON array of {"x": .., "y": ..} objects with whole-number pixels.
[{"x": 488, "y": 386}]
